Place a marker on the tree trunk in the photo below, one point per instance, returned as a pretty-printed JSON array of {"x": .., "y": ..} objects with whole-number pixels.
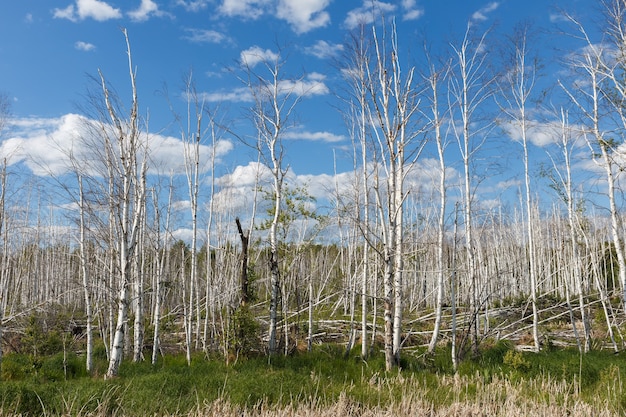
[{"x": 86, "y": 280}]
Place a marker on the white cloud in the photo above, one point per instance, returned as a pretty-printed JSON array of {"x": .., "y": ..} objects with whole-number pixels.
[
  {"x": 314, "y": 136},
  {"x": 205, "y": 36},
  {"x": 239, "y": 94},
  {"x": 181, "y": 205},
  {"x": 481, "y": 15},
  {"x": 84, "y": 46},
  {"x": 558, "y": 17},
  {"x": 304, "y": 15},
  {"x": 410, "y": 10},
  {"x": 312, "y": 85},
  {"x": 95, "y": 9},
  {"x": 255, "y": 55},
  {"x": 367, "y": 12},
  {"x": 540, "y": 134},
  {"x": 323, "y": 49},
  {"x": 246, "y": 176},
  {"x": 412, "y": 14},
  {"x": 67, "y": 13},
  {"x": 247, "y": 9},
  {"x": 511, "y": 183},
  {"x": 236, "y": 194},
  {"x": 146, "y": 9},
  {"x": 44, "y": 146},
  {"x": 167, "y": 154},
  {"x": 193, "y": 5}
]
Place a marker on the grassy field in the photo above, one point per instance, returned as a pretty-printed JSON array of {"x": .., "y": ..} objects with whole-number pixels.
[{"x": 500, "y": 381}]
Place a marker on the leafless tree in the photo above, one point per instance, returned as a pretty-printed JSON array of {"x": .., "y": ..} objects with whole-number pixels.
[
  {"x": 122, "y": 138},
  {"x": 394, "y": 103},
  {"x": 599, "y": 99},
  {"x": 517, "y": 89},
  {"x": 274, "y": 102},
  {"x": 435, "y": 77},
  {"x": 469, "y": 88}
]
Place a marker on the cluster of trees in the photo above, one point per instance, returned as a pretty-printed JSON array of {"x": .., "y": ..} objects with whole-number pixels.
[{"x": 394, "y": 245}]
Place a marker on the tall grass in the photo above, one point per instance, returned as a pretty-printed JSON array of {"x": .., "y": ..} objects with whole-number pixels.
[{"x": 499, "y": 382}]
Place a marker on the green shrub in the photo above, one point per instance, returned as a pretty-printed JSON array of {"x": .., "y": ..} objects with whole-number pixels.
[
  {"x": 16, "y": 366},
  {"x": 244, "y": 332},
  {"x": 61, "y": 367},
  {"x": 39, "y": 341},
  {"x": 516, "y": 361}
]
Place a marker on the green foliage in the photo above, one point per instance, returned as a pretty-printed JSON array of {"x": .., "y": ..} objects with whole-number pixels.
[
  {"x": 62, "y": 366},
  {"x": 295, "y": 204},
  {"x": 40, "y": 339},
  {"x": 16, "y": 366},
  {"x": 516, "y": 361},
  {"x": 244, "y": 332},
  {"x": 324, "y": 375}
]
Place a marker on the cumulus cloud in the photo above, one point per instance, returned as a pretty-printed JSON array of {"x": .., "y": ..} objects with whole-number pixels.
[
  {"x": 247, "y": 9},
  {"x": 304, "y": 15},
  {"x": 410, "y": 11},
  {"x": 314, "y": 136},
  {"x": 205, "y": 36},
  {"x": 43, "y": 145},
  {"x": 84, "y": 46},
  {"x": 236, "y": 95},
  {"x": 193, "y": 5},
  {"x": 481, "y": 15},
  {"x": 255, "y": 55},
  {"x": 324, "y": 187},
  {"x": 83, "y": 9},
  {"x": 312, "y": 85},
  {"x": 540, "y": 134},
  {"x": 366, "y": 13},
  {"x": 146, "y": 9},
  {"x": 236, "y": 189},
  {"x": 54, "y": 146},
  {"x": 322, "y": 49}
]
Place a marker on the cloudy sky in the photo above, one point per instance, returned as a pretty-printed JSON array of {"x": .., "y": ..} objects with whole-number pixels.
[{"x": 51, "y": 50}]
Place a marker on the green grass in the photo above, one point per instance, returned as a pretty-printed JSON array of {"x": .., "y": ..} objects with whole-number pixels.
[{"x": 52, "y": 386}]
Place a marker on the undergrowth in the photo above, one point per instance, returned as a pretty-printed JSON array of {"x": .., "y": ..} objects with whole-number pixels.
[{"x": 322, "y": 379}]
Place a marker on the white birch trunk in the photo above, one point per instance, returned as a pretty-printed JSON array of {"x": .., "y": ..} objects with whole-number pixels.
[
  {"x": 86, "y": 279},
  {"x": 130, "y": 214},
  {"x": 441, "y": 223}
]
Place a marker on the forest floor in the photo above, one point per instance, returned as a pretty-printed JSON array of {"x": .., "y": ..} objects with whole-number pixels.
[
  {"x": 43, "y": 373},
  {"x": 499, "y": 381}
]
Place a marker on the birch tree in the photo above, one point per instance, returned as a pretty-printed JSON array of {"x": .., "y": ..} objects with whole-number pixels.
[
  {"x": 600, "y": 65},
  {"x": 192, "y": 138},
  {"x": 4, "y": 284},
  {"x": 274, "y": 101},
  {"x": 161, "y": 248},
  {"x": 123, "y": 141},
  {"x": 517, "y": 88},
  {"x": 356, "y": 73},
  {"x": 393, "y": 103},
  {"x": 4, "y": 271},
  {"x": 85, "y": 275},
  {"x": 469, "y": 87},
  {"x": 564, "y": 184},
  {"x": 434, "y": 78}
]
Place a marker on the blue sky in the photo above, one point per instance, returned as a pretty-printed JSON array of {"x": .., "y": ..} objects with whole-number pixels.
[{"x": 50, "y": 48}]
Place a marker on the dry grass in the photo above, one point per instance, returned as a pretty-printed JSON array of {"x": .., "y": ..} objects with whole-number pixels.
[
  {"x": 464, "y": 398},
  {"x": 456, "y": 396}
]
